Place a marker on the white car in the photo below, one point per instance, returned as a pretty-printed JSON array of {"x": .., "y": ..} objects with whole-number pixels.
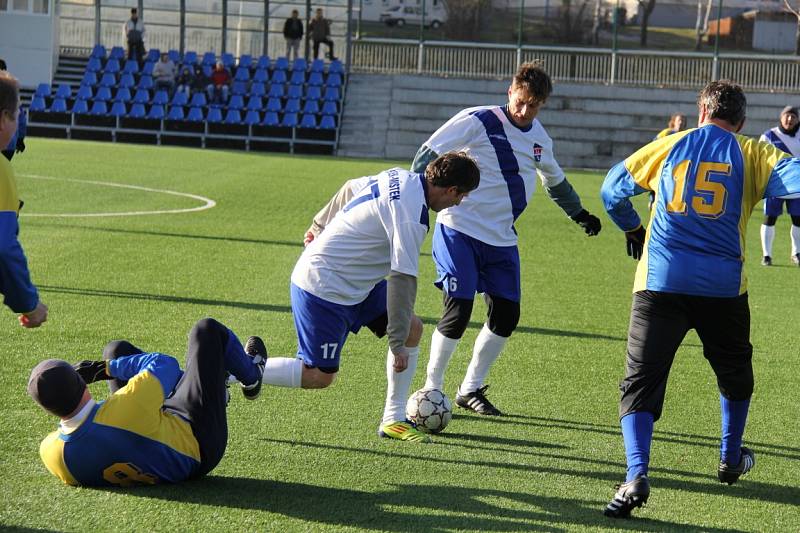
[{"x": 402, "y": 15}]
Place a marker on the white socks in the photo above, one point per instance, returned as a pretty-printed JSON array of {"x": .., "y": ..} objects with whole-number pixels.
[
  {"x": 767, "y": 236},
  {"x": 283, "y": 372},
  {"x": 442, "y": 349},
  {"x": 487, "y": 347},
  {"x": 399, "y": 385},
  {"x": 795, "y": 239}
]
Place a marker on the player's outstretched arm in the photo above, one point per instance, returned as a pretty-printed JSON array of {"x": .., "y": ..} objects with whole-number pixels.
[
  {"x": 401, "y": 292},
  {"x": 164, "y": 367},
  {"x": 564, "y": 195}
]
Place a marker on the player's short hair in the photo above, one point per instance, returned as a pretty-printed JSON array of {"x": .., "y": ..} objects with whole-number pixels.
[
  {"x": 454, "y": 169},
  {"x": 9, "y": 92},
  {"x": 532, "y": 77},
  {"x": 724, "y": 100}
]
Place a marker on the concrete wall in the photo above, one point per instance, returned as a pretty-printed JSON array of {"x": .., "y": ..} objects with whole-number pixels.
[{"x": 29, "y": 45}]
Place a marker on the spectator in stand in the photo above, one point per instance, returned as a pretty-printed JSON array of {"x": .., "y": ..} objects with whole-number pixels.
[
  {"x": 219, "y": 84},
  {"x": 320, "y": 31},
  {"x": 185, "y": 81},
  {"x": 293, "y": 32},
  {"x": 17, "y": 143},
  {"x": 201, "y": 81},
  {"x": 164, "y": 73},
  {"x": 134, "y": 35}
]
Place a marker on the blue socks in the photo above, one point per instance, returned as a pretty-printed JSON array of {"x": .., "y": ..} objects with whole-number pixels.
[
  {"x": 238, "y": 363},
  {"x": 734, "y": 418},
  {"x": 637, "y": 432}
]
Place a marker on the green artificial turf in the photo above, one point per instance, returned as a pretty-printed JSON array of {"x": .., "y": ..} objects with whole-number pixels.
[{"x": 310, "y": 460}]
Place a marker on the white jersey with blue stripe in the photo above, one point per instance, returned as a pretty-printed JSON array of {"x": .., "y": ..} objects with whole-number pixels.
[
  {"x": 788, "y": 143},
  {"x": 509, "y": 158},
  {"x": 381, "y": 229}
]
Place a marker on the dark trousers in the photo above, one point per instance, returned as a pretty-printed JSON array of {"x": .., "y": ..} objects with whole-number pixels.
[
  {"x": 200, "y": 396},
  {"x": 660, "y": 321},
  {"x": 8, "y": 154},
  {"x": 327, "y": 42},
  {"x": 136, "y": 50}
]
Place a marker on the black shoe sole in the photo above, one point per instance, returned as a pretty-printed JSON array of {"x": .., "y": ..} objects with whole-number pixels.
[{"x": 632, "y": 503}]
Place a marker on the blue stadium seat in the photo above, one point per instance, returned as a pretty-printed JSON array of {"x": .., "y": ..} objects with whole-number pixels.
[
  {"x": 117, "y": 53},
  {"x": 313, "y": 93},
  {"x": 274, "y": 104},
  {"x": 236, "y": 102},
  {"x": 289, "y": 120},
  {"x": 175, "y": 113},
  {"x": 123, "y": 95},
  {"x": 142, "y": 96},
  {"x": 90, "y": 79},
  {"x": 311, "y": 106},
  {"x": 99, "y": 108},
  {"x": 209, "y": 59},
  {"x": 327, "y": 123},
  {"x": 318, "y": 65},
  {"x": 242, "y": 74},
  {"x": 198, "y": 100},
  {"x": 279, "y": 76},
  {"x": 94, "y": 65},
  {"x": 255, "y": 103},
  {"x": 156, "y": 112},
  {"x": 252, "y": 118},
  {"x": 308, "y": 121},
  {"x": 298, "y": 77},
  {"x": 282, "y": 63},
  {"x": 207, "y": 70},
  {"x": 315, "y": 78},
  {"x": 300, "y": 64},
  {"x": 80, "y": 107},
  {"x": 118, "y": 110},
  {"x": 271, "y": 119},
  {"x": 335, "y": 67},
  {"x": 59, "y": 105},
  {"x": 331, "y": 93},
  {"x": 329, "y": 108},
  {"x": 263, "y": 63},
  {"x": 99, "y": 51},
  {"x": 64, "y": 91},
  {"x": 147, "y": 69},
  {"x": 43, "y": 90},
  {"x": 258, "y": 89},
  {"x": 334, "y": 80},
  {"x": 131, "y": 67},
  {"x": 239, "y": 87},
  {"x": 126, "y": 80},
  {"x": 145, "y": 82},
  {"x": 161, "y": 98},
  {"x": 214, "y": 115},
  {"x": 38, "y": 104},
  {"x": 246, "y": 61},
  {"x": 84, "y": 93},
  {"x": 294, "y": 91},
  {"x": 190, "y": 58},
  {"x": 137, "y": 111},
  {"x": 195, "y": 115},
  {"x": 103, "y": 94},
  {"x": 292, "y": 106},
  {"x": 174, "y": 56},
  {"x": 261, "y": 76},
  {"x": 276, "y": 91},
  {"x": 227, "y": 60},
  {"x": 180, "y": 98},
  {"x": 112, "y": 66},
  {"x": 152, "y": 55},
  {"x": 108, "y": 80}
]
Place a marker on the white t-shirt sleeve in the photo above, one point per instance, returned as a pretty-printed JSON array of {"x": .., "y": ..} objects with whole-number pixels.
[
  {"x": 456, "y": 133},
  {"x": 405, "y": 244},
  {"x": 548, "y": 169}
]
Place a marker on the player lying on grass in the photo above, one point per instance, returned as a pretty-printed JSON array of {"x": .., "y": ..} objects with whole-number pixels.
[
  {"x": 362, "y": 271},
  {"x": 160, "y": 424},
  {"x": 690, "y": 275}
]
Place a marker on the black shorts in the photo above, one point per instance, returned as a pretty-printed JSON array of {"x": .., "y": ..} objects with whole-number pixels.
[{"x": 660, "y": 321}]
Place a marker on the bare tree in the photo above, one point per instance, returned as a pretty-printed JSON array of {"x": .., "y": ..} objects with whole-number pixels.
[
  {"x": 596, "y": 23},
  {"x": 701, "y": 27},
  {"x": 465, "y": 18},
  {"x": 571, "y": 24},
  {"x": 646, "y": 9},
  {"x": 796, "y": 13}
]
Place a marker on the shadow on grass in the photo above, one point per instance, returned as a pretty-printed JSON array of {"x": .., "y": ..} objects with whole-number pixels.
[
  {"x": 538, "y": 331},
  {"x": 405, "y": 507},
  {"x": 18, "y": 529}
]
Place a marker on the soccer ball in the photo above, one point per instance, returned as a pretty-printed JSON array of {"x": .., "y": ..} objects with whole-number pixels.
[{"x": 430, "y": 410}]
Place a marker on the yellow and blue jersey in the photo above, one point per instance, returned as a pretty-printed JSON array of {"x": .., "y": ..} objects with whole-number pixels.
[
  {"x": 128, "y": 439},
  {"x": 18, "y": 291},
  {"x": 706, "y": 181}
]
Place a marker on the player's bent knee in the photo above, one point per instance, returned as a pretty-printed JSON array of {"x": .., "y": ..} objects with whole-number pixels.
[
  {"x": 795, "y": 220},
  {"x": 205, "y": 327},
  {"x": 120, "y": 348},
  {"x": 770, "y": 220},
  {"x": 503, "y": 315},
  {"x": 455, "y": 319},
  {"x": 314, "y": 378}
]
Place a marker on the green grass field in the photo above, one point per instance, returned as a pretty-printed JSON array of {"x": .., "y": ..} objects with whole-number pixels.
[{"x": 310, "y": 460}]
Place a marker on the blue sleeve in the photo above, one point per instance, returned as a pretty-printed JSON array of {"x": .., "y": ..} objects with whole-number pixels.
[
  {"x": 785, "y": 179},
  {"x": 15, "y": 281},
  {"x": 22, "y": 124},
  {"x": 617, "y": 188},
  {"x": 163, "y": 367}
]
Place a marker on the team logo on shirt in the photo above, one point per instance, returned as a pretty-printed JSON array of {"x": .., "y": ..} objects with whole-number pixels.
[{"x": 537, "y": 152}]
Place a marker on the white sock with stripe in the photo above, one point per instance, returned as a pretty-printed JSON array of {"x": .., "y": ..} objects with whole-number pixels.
[
  {"x": 795, "y": 239},
  {"x": 442, "y": 349},
  {"x": 487, "y": 348},
  {"x": 398, "y": 387},
  {"x": 283, "y": 372},
  {"x": 767, "y": 236}
]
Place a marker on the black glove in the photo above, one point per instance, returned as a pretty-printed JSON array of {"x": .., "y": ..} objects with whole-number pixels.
[
  {"x": 92, "y": 371},
  {"x": 589, "y": 222},
  {"x": 635, "y": 242},
  {"x": 20, "y": 145}
]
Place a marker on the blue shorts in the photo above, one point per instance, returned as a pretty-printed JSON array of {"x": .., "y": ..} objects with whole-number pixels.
[
  {"x": 466, "y": 266},
  {"x": 773, "y": 207},
  {"x": 322, "y": 326}
]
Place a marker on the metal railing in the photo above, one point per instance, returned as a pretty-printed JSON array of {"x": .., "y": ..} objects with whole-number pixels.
[{"x": 773, "y": 73}]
